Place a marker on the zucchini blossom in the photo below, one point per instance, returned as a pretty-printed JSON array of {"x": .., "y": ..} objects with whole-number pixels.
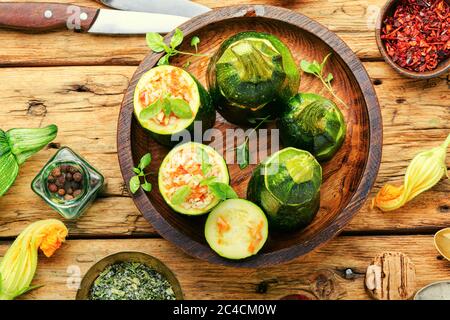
[
  {"x": 19, "y": 264},
  {"x": 425, "y": 170}
]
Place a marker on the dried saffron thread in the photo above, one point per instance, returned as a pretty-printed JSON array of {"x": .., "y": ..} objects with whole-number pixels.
[{"x": 417, "y": 35}]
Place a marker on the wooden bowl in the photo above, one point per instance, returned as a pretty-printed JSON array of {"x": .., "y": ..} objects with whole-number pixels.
[
  {"x": 386, "y": 11},
  {"x": 347, "y": 178},
  {"x": 133, "y": 256}
]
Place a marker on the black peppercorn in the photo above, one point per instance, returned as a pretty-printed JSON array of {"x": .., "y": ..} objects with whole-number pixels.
[{"x": 68, "y": 176}]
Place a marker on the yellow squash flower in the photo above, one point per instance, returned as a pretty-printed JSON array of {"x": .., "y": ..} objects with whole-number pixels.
[
  {"x": 19, "y": 264},
  {"x": 424, "y": 171}
]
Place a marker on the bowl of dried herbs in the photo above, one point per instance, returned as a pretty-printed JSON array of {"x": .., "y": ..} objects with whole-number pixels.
[{"x": 129, "y": 276}]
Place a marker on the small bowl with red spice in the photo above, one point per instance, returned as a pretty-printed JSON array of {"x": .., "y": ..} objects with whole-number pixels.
[{"x": 413, "y": 36}]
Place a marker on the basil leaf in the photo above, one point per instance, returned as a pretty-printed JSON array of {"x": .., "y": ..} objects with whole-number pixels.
[
  {"x": 155, "y": 42},
  {"x": 137, "y": 170},
  {"x": 194, "y": 42},
  {"x": 135, "y": 183},
  {"x": 222, "y": 190},
  {"x": 243, "y": 155},
  {"x": 151, "y": 111},
  {"x": 147, "y": 186},
  {"x": 204, "y": 160},
  {"x": 164, "y": 60},
  {"x": 180, "y": 195},
  {"x": 145, "y": 161},
  {"x": 207, "y": 181},
  {"x": 181, "y": 108},
  {"x": 329, "y": 78},
  {"x": 167, "y": 107},
  {"x": 177, "y": 38}
]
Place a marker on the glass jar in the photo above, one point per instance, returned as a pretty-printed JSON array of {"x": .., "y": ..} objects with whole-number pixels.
[{"x": 91, "y": 183}]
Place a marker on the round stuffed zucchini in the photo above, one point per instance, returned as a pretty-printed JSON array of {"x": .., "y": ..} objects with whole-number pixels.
[
  {"x": 250, "y": 77},
  {"x": 313, "y": 123},
  {"x": 168, "y": 100},
  {"x": 287, "y": 187},
  {"x": 236, "y": 229},
  {"x": 182, "y": 173}
]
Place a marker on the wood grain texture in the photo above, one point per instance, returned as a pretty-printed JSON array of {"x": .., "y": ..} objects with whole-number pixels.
[
  {"x": 353, "y": 21},
  {"x": 347, "y": 178},
  {"x": 30, "y": 17},
  {"x": 92, "y": 95},
  {"x": 322, "y": 272}
]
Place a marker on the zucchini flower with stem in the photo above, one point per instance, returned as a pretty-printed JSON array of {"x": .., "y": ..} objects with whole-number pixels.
[
  {"x": 425, "y": 170},
  {"x": 19, "y": 264}
]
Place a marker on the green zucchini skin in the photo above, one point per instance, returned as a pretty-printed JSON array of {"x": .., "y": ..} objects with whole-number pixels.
[
  {"x": 206, "y": 114},
  {"x": 298, "y": 125},
  {"x": 286, "y": 216},
  {"x": 246, "y": 102}
]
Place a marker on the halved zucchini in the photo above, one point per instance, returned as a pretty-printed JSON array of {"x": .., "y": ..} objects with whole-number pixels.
[
  {"x": 236, "y": 229},
  {"x": 173, "y": 82},
  {"x": 182, "y": 172}
]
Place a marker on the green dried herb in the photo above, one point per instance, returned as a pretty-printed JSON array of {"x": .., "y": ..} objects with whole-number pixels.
[{"x": 131, "y": 281}]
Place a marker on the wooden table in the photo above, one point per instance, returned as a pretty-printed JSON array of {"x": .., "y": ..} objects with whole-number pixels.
[{"x": 77, "y": 82}]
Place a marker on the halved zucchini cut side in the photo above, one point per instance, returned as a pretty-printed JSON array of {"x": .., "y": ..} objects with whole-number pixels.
[
  {"x": 182, "y": 172},
  {"x": 236, "y": 229},
  {"x": 164, "y": 83}
]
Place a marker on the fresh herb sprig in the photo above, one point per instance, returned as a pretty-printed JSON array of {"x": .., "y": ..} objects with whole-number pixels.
[
  {"x": 221, "y": 190},
  {"x": 156, "y": 42},
  {"x": 317, "y": 69},
  {"x": 167, "y": 104},
  {"x": 242, "y": 150},
  {"x": 135, "y": 181}
]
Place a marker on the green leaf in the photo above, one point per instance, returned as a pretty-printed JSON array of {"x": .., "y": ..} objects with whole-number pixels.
[
  {"x": 243, "y": 155},
  {"x": 164, "y": 60},
  {"x": 137, "y": 170},
  {"x": 145, "y": 161},
  {"x": 207, "y": 181},
  {"x": 151, "y": 111},
  {"x": 194, "y": 42},
  {"x": 181, "y": 108},
  {"x": 177, "y": 38},
  {"x": 329, "y": 78},
  {"x": 204, "y": 159},
  {"x": 135, "y": 183},
  {"x": 222, "y": 190},
  {"x": 147, "y": 186},
  {"x": 187, "y": 64},
  {"x": 308, "y": 67},
  {"x": 180, "y": 195},
  {"x": 155, "y": 42},
  {"x": 167, "y": 107},
  {"x": 322, "y": 65}
]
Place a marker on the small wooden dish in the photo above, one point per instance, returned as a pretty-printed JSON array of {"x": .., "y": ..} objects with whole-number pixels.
[
  {"x": 100, "y": 266},
  {"x": 347, "y": 178},
  {"x": 388, "y": 10}
]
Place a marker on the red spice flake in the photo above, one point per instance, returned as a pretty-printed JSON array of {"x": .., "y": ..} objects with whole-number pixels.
[{"x": 417, "y": 36}]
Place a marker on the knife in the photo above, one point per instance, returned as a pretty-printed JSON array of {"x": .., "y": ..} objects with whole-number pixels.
[
  {"x": 41, "y": 16},
  {"x": 183, "y": 8}
]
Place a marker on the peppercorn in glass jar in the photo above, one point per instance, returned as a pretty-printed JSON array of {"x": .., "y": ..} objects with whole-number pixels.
[{"x": 68, "y": 183}]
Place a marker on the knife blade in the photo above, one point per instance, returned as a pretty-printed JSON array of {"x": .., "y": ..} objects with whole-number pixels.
[
  {"x": 183, "y": 8},
  {"x": 42, "y": 16}
]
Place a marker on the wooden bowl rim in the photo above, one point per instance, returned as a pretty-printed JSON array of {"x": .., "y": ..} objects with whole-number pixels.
[
  {"x": 440, "y": 70},
  {"x": 335, "y": 226},
  {"x": 86, "y": 284}
]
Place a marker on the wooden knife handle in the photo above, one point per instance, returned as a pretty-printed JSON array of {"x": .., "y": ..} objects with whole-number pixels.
[{"x": 41, "y": 16}]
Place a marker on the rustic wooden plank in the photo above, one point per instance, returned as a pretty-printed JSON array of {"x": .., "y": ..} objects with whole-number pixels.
[
  {"x": 201, "y": 280},
  {"x": 84, "y": 103},
  {"x": 353, "y": 21}
]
